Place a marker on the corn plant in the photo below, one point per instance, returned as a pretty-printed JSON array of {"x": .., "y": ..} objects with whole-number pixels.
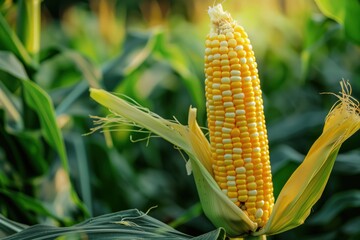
[
  {"x": 29, "y": 130},
  {"x": 252, "y": 177},
  {"x": 232, "y": 172}
]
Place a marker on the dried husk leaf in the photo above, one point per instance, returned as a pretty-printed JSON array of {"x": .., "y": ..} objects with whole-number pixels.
[{"x": 307, "y": 183}]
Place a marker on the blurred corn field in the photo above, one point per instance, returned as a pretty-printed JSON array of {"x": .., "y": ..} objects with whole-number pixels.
[{"x": 153, "y": 51}]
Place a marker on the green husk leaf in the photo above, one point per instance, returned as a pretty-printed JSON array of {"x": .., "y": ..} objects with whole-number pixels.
[
  {"x": 168, "y": 130},
  {"x": 307, "y": 183},
  {"x": 221, "y": 211},
  {"x": 216, "y": 205}
]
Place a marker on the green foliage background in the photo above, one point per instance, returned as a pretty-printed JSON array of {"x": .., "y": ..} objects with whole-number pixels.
[{"x": 152, "y": 51}]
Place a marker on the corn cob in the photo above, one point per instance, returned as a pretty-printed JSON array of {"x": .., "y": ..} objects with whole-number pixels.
[{"x": 238, "y": 136}]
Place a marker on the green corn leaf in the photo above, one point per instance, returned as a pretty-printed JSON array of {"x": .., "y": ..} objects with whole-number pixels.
[
  {"x": 335, "y": 205},
  {"x": 38, "y": 100},
  {"x": 129, "y": 224},
  {"x": 41, "y": 103},
  {"x": 346, "y": 12},
  {"x": 192, "y": 212},
  {"x": 137, "y": 48},
  {"x": 351, "y": 227},
  {"x": 348, "y": 163},
  {"x": 27, "y": 203},
  {"x": 10, "y": 42},
  {"x": 28, "y": 26},
  {"x": 8, "y": 227},
  {"x": 175, "y": 57},
  {"x": 90, "y": 73},
  {"x": 10, "y": 64},
  {"x": 6, "y": 102}
]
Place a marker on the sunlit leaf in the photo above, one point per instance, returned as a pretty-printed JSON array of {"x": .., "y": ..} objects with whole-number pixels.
[
  {"x": 28, "y": 26},
  {"x": 346, "y": 12}
]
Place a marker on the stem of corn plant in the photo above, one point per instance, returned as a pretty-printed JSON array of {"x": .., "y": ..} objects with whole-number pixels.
[
  {"x": 261, "y": 237},
  {"x": 28, "y": 26},
  {"x": 28, "y": 30}
]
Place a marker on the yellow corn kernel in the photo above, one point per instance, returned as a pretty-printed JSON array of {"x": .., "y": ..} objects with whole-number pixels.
[{"x": 236, "y": 122}]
